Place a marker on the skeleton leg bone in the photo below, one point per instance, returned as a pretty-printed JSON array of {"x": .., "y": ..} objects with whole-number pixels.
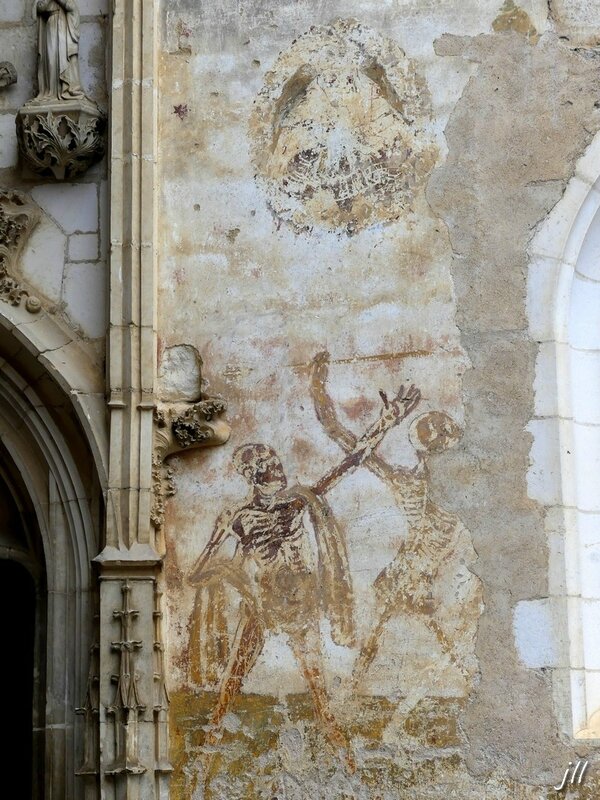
[
  {"x": 370, "y": 648},
  {"x": 247, "y": 646},
  {"x": 306, "y": 646}
]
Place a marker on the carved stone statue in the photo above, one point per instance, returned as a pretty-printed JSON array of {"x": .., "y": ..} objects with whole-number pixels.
[
  {"x": 60, "y": 131},
  {"x": 58, "y": 50}
]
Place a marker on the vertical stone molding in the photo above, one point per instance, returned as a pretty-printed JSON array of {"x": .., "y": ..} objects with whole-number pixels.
[
  {"x": 90, "y": 711},
  {"x": 133, "y": 696},
  {"x": 59, "y": 507},
  {"x": 563, "y": 310},
  {"x": 162, "y": 766},
  {"x": 128, "y": 731},
  {"x": 132, "y": 336}
]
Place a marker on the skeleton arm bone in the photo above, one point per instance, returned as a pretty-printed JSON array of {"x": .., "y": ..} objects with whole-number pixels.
[
  {"x": 398, "y": 409},
  {"x": 336, "y": 431},
  {"x": 221, "y": 532}
]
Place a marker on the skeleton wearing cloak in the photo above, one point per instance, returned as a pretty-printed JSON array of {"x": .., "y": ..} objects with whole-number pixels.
[{"x": 285, "y": 595}]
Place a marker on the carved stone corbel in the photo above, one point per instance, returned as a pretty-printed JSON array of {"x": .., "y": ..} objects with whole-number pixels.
[
  {"x": 181, "y": 426},
  {"x": 60, "y": 131},
  {"x": 18, "y": 217}
]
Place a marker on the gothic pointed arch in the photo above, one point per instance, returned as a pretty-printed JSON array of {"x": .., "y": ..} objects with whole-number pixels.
[
  {"x": 50, "y": 471},
  {"x": 564, "y": 318}
]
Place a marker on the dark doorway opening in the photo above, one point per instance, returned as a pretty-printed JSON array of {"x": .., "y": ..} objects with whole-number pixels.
[{"x": 17, "y": 601}]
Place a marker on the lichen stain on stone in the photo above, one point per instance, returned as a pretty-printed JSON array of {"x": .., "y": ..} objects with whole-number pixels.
[
  {"x": 273, "y": 750},
  {"x": 275, "y": 740},
  {"x": 513, "y": 18},
  {"x": 340, "y": 130}
]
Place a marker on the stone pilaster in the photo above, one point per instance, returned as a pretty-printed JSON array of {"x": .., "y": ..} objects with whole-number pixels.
[
  {"x": 129, "y": 761},
  {"x": 129, "y": 564}
]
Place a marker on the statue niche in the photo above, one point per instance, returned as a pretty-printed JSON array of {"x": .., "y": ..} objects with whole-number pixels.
[{"x": 60, "y": 131}]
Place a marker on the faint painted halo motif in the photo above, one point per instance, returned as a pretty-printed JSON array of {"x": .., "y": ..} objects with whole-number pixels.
[
  {"x": 341, "y": 131},
  {"x": 434, "y": 432}
]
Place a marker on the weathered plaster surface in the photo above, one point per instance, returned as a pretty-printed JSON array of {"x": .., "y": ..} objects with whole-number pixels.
[
  {"x": 430, "y": 292},
  {"x": 509, "y": 160}
]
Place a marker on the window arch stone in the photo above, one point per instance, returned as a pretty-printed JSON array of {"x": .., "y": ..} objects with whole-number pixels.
[{"x": 564, "y": 476}]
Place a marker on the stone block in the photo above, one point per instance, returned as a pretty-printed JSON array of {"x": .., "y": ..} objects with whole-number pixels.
[
  {"x": 179, "y": 373},
  {"x": 534, "y": 628},
  {"x": 546, "y": 401},
  {"x": 73, "y": 206},
  {"x": 589, "y": 537},
  {"x": 43, "y": 259},
  {"x": 542, "y": 282},
  {"x": 584, "y": 331},
  {"x": 83, "y": 247},
  {"x": 588, "y": 262},
  {"x": 93, "y": 8},
  {"x": 84, "y": 295},
  {"x": 12, "y": 10},
  {"x": 92, "y": 60},
  {"x": 586, "y": 445},
  {"x": 544, "y": 475},
  {"x": 18, "y": 45},
  {"x": 585, "y": 393}
]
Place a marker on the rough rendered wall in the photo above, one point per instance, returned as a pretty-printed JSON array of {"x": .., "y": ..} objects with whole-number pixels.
[
  {"x": 348, "y": 193},
  {"x": 65, "y": 258}
]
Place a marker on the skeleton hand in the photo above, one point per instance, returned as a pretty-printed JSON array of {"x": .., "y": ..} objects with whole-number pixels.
[{"x": 403, "y": 404}]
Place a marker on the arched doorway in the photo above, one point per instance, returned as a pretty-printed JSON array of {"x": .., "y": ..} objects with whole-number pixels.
[
  {"x": 51, "y": 515},
  {"x": 17, "y": 671},
  {"x": 22, "y": 596}
]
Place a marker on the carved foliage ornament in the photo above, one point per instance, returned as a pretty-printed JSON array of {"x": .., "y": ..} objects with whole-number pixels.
[
  {"x": 63, "y": 142},
  {"x": 342, "y": 130},
  {"x": 60, "y": 131},
  {"x": 178, "y": 427},
  {"x": 18, "y": 217}
]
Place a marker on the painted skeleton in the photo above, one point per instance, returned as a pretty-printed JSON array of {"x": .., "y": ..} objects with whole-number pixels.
[
  {"x": 407, "y": 583},
  {"x": 272, "y": 570}
]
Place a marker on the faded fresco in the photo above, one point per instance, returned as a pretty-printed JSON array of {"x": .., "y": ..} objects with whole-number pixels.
[
  {"x": 341, "y": 127},
  {"x": 322, "y": 602},
  {"x": 277, "y": 564}
]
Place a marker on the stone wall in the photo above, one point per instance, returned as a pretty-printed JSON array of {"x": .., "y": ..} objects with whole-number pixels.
[
  {"x": 348, "y": 194},
  {"x": 354, "y": 245},
  {"x": 65, "y": 261}
]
